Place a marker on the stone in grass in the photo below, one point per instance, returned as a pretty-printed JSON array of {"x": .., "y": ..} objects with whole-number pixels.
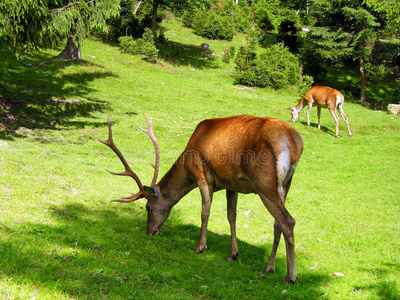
[{"x": 394, "y": 109}]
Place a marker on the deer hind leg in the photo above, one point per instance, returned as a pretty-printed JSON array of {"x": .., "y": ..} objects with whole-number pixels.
[
  {"x": 277, "y": 237},
  {"x": 336, "y": 118},
  {"x": 287, "y": 180},
  {"x": 341, "y": 111},
  {"x": 284, "y": 223},
  {"x": 206, "y": 196},
  {"x": 319, "y": 117},
  {"x": 231, "y": 212}
]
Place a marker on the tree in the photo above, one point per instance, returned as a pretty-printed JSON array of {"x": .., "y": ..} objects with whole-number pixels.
[
  {"x": 390, "y": 12},
  {"x": 344, "y": 30},
  {"x": 32, "y": 24}
]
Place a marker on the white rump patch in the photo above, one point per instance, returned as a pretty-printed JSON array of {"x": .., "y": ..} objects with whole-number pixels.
[
  {"x": 284, "y": 167},
  {"x": 338, "y": 100}
]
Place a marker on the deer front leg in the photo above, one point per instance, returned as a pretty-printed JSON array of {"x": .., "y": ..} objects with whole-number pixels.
[
  {"x": 308, "y": 113},
  {"x": 231, "y": 212},
  {"x": 206, "y": 196}
]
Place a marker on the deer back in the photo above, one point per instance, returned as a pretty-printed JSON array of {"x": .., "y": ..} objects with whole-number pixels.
[{"x": 234, "y": 153}]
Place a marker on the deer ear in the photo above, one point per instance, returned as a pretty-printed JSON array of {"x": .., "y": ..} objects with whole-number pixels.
[{"x": 152, "y": 191}]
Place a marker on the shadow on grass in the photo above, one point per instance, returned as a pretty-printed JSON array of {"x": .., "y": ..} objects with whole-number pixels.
[
  {"x": 323, "y": 128},
  {"x": 105, "y": 254},
  {"x": 40, "y": 96},
  {"x": 186, "y": 55}
]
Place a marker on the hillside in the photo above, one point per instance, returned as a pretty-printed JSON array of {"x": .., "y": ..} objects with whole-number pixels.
[{"x": 60, "y": 237}]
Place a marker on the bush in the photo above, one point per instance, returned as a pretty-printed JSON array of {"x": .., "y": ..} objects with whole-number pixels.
[
  {"x": 144, "y": 46},
  {"x": 229, "y": 54},
  {"x": 276, "y": 68},
  {"x": 188, "y": 16},
  {"x": 213, "y": 26}
]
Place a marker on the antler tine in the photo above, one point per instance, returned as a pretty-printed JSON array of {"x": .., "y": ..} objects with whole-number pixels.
[
  {"x": 129, "y": 199},
  {"x": 128, "y": 171},
  {"x": 150, "y": 133}
]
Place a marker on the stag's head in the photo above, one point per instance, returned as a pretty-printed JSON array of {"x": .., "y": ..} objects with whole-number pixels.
[
  {"x": 157, "y": 210},
  {"x": 295, "y": 114}
]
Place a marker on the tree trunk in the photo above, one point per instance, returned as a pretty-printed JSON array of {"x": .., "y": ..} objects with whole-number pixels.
[
  {"x": 137, "y": 7},
  {"x": 154, "y": 19},
  {"x": 71, "y": 51},
  {"x": 363, "y": 81}
]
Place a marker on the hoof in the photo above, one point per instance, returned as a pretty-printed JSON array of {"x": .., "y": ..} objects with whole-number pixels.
[
  {"x": 269, "y": 269},
  {"x": 290, "y": 279},
  {"x": 200, "y": 249},
  {"x": 232, "y": 256}
]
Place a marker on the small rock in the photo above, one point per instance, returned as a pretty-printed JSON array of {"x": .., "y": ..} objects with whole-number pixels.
[
  {"x": 394, "y": 109},
  {"x": 284, "y": 292},
  {"x": 337, "y": 274}
]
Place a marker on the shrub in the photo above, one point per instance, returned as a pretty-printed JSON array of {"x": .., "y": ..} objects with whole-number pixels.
[
  {"x": 213, "y": 26},
  {"x": 144, "y": 46},
  {"x": 229, "y": 54},
  {"x": 276, "y": 68}
]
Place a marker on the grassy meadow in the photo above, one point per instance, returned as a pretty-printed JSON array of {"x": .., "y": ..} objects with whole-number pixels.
[{"x": 62, "y": 238}]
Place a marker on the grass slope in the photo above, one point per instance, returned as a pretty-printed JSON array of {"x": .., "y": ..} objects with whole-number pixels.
[{"x": 61, "y": 238}]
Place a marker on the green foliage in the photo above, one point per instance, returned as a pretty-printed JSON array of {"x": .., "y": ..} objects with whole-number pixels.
[
  {"x": 287, "y": 34},
  {"x": 126, "y": 23},
  {"x": 247, "y": 53},
  {"x": 229, "y": 53},
  {"x": 276, "y": 68},
  {"x": 32, "y": 24},
  {"x": 266, "y": 14},
  {"x": 144, "y": 46},
  {"x": 188, "y": 16},
  {"x": 219, "y": 21},
  {"x": 213, "y": 25}
]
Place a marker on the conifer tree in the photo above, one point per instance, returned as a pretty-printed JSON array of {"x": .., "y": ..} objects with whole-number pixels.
[
  {"x": 345, "y": 29},
  {"x": 34, "y": 24}
]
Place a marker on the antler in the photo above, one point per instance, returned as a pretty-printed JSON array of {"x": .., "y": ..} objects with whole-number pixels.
[
  {"x": 157, "y": 149},
  {"x": 128, "y": 171}
]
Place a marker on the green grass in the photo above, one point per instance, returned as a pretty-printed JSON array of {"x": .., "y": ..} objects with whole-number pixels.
[{"x": 61, "y": 238}]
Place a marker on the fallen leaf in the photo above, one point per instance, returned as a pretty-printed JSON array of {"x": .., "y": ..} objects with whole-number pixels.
[
  {"x": 337, "y": 274},
  {"x": 325, "y": 242},
  {"x": 314, "y": 267}
]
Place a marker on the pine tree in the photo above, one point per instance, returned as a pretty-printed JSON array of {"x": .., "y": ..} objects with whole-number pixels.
[
  {"x": 33, "y": 24},
  {"x": 344, "y": 30}
]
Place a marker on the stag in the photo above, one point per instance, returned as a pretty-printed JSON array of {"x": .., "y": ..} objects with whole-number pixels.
[
  {"x": 241, "y": 154},
  {"x": 322, "y": 97}
]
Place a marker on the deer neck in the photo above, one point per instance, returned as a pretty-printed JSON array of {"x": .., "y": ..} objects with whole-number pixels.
[
  {"x": 175, "y": 184},
  {"x": 299, "y": 107}
]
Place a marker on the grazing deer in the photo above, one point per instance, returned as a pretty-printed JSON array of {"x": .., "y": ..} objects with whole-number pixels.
[
  {"x": 241, "y": 154},
  {"x": 322, "y": 97}
]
